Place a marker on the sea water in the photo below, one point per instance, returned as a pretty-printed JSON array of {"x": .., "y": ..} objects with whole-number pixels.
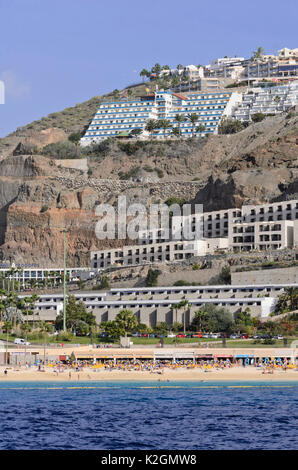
[{"x": 148, "y": 415}]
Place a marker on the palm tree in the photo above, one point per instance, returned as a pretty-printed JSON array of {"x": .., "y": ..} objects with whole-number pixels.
[
  {"x": 2, "y": 306},
  {"x": 156, "y": 69},
  {"x": 179, "y": 118},
  {"x": 200, "y": 315},
  {"x": 201, "y": 128},
  {"x": 46, "y": 276},
  {"x": 12, "y": 273},
  {"x": 27, "y": 303},
  {"x": 292, "y": 297},
  {"x": 185, "y": 304},
  {"x": 25, "y": 327},
  {"x": 175, "y": 81},
  {"x": 8, "y": 328},
  {"x": 288, "y": 300},
  {"x": 11, "y": 301},
  {"x": 193, "y": 117},
  {"x": 144, "y": 73},
  {"x": 164, "y": 124},
  {"x": 33, "y": 299},
  {"x": 175, "y": 132},
  {"x": 44, "y": 328},
  {"x": 167, "y": 68},
  {"x": 151, "y": 125},
  {"x": 258, "y": 53},
  {"x": 126, "y": 321},
  {"x": 176, "y": 307}
]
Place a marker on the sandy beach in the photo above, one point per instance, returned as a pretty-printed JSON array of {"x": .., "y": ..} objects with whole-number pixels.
[{"x": 182, "y": 374}]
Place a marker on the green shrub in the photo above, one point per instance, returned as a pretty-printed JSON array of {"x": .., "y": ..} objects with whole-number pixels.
[
  {"x": 181, "y": 282},
  {"x": 74, "y": 137},
  {"x": 175, "y": 200},
  {"x": 230, "y": 126},
  {"x": 129, "y": 174},
  {"x": 65, "y": 336},
  {"x": 257, "y": 117},
  {"x": 159, "y": 172},
  {"x": 151, "y": 279},
  {"x": 62, "y": 150}
]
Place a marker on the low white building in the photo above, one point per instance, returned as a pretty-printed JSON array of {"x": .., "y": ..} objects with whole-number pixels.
[
  {"x": 225, "y": 62},
  {"x": 152, "y": 305},
  {"x": 287, "y": 53},
  {"x": 131, "y": 255}
]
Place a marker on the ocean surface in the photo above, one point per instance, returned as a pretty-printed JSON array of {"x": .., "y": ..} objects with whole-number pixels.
[{"x": 148, "y": 415}]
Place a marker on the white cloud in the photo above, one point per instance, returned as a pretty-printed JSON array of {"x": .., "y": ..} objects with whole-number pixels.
[{"x": 13, "y": 86}]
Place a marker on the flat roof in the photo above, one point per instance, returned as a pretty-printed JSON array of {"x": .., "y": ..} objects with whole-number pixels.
[{"x": 220, "y": 286}]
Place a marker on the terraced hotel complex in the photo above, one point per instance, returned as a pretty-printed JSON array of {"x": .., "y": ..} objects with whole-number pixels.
[{"x": 122, "y": 117}]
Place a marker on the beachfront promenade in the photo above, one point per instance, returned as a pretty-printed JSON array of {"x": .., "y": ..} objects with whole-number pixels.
[
  {"x": 169, "y": 353},
  {"x": 88, "y": 363}
]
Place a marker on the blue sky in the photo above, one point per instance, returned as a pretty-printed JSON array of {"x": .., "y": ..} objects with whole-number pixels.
[{"x": 56, "y": 53}]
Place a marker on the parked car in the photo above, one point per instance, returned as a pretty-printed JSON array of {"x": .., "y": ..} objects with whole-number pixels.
[
  {"x": 206, "y": 335},
  {"x": 233, "y": 336},
  {"x": 21, "y": 341},
  {"x": 171, "y": 335},
  {"x": 144, "y": 335},
  {"x": 180, "y": 335},
  {"x": 215, "y": 335},
  {"x": 152, "y": 335},
  {"x": 244, "y": 336},
  {"x": 278, "y": 337},
  {"x": 135, "y": 335}
]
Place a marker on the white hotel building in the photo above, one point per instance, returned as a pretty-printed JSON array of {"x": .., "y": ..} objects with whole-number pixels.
[
  {"x": 271, "y": 226},
  {"x": 122, "y": 117},
  {"x": 273, "y": 100},
  {"x": 155, "y": 304}
]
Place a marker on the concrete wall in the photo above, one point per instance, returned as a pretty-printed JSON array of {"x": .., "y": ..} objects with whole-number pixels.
[
  {"x": 273, "y": 276},
  {"x": 203, "y": 276}
]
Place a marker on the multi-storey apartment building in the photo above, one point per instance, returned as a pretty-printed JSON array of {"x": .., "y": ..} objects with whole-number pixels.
[
  {"x": 120, "y": 117},
  {"x": 271, "y": 100},
  {"x": 156, "y": 304},
  {"x": 169, "y": 251},
  {"x": 261, "y": 235},
  {"x": 209, "y": 107},
  {"x": 267, "y": 226},
  {"x": 263, "y": 227},
  {"x": 247, "y": 227}
]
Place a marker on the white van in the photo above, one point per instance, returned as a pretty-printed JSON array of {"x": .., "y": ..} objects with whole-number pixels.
[{"x": 21, "y": 341}]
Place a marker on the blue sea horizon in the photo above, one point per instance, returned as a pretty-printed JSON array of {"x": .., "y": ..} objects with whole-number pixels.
[{"x": 148, "y": 415}]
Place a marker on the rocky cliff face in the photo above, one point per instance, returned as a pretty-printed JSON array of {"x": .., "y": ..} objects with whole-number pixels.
[{"x": 38, "y": 197}]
